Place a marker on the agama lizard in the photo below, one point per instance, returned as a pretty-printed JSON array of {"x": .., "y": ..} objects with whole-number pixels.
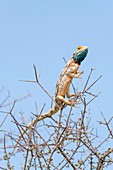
[{"x": 69, "y": 72}]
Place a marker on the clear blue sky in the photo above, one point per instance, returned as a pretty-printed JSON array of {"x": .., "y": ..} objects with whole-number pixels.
[{"x": 42, "y": 33}]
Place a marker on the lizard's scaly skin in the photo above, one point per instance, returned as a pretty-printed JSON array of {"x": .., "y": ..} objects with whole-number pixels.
[{"x": 69, "y": 72}]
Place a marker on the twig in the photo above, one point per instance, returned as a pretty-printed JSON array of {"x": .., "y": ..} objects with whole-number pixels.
[
  {"x": 88, "y": 79},
  {"x": 93, "y": 98},
  {"x": 92, "y": 84}
]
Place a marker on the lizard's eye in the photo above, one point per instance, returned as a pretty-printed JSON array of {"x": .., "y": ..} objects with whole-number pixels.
[{"x": 79, "y": 48}]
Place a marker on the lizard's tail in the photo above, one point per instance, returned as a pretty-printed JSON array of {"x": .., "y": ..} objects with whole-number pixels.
[{"x": 51, "y": 112}]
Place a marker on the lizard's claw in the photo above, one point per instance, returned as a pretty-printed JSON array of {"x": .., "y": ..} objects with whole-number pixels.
[
  {"x": 80, "y": 72},
  {"x": 74, "y": 103}
]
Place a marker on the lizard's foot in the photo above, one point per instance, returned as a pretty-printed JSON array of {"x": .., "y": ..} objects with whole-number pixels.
[
  {"x": 72, "y": 102},
  {"x": 80, "y": 72}
]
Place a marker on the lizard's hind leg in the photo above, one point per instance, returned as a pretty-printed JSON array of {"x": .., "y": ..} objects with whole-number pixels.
[
  {"x": 68, "y": 93},
  {"x": 67, "y": 102}
]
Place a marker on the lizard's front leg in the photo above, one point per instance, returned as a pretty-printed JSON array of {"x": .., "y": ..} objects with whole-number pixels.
[
  {"x": 68, "y": 93},
  {"x": 77, "y": 75},
  {"x": 80, "y": 72}
]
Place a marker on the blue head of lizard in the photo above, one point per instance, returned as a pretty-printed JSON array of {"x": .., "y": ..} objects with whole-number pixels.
[{"x": 80, "y": 54}]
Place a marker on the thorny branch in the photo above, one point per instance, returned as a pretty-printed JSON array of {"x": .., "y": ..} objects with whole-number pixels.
[
  {"x": 67, "y": 141},
  {"x": 42, "y": 117}
]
